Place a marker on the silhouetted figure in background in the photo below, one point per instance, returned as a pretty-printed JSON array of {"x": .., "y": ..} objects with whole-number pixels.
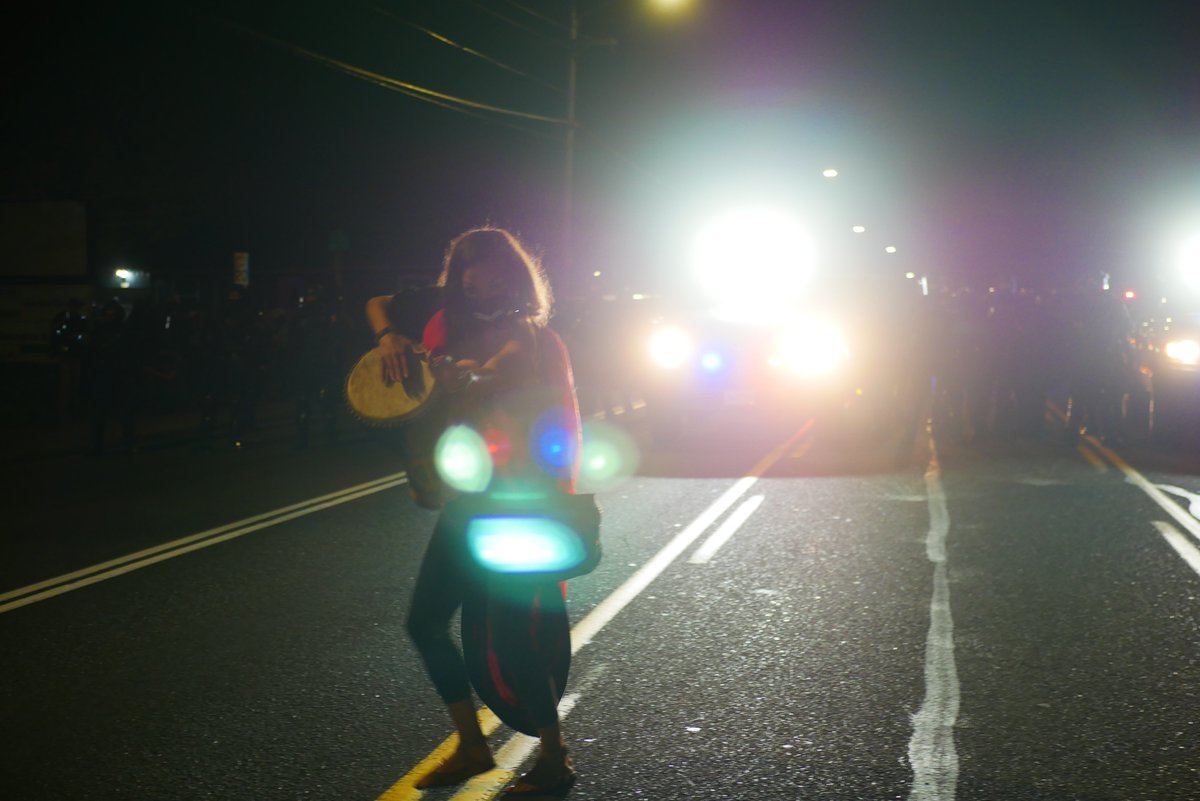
[
  {"x": 68, "y": 345},
  {"x": 963, "y": 383},
  {"x": 232, "y": 367},
  {"x": 110, "y": 365},
  {"x": 317, "y": 359},
  {"x": 1098, "y": 359}
]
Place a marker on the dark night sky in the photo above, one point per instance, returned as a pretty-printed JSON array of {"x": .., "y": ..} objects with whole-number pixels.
[{"x": 982, "y": 139}]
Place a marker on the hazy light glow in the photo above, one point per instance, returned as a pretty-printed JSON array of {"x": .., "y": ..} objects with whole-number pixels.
[
  {"x": 610, "y": 457},
  {"x": 670, "y": 5},
  {"x": 1189, "y": 262},
  {"x": 711, "y": 361},
  {"x": 755, "y": 255},
  {"x": 859, "y": 229},
  {"x": 670, "y": 347},
  {"x": 830, "y": 173},
  {"x": 811, "y": 347},
  {"x": 1184, "y": 351},
  {"x": 553, "y": 445},
  {"x": 523, "y": 544},
  {"x": 463, "y": 460},
  {"x": 890, "y": 249}
]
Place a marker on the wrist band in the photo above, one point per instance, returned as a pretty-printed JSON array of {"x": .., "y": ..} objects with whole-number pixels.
[{"x": 387, "y": 329}]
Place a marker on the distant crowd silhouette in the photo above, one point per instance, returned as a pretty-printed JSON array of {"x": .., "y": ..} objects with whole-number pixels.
[{"x": 218, "y": 362}]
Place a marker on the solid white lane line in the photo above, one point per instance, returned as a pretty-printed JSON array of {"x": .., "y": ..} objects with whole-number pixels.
[
  {"x": 1182, "y": 517},
  {"x": 191, "y": 543},
  {"x": 726, "y": 530},
  {"x": 931, "y": 750},
  {"x": 1182, "y": 545},
  {"x": 607, "y": 609},
  {"x": 1192, "y": 498}
]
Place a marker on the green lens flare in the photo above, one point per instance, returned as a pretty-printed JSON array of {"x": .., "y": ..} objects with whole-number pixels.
[
  {"x": 463, "y": 460},
  {"x": 610, "y": 456}
]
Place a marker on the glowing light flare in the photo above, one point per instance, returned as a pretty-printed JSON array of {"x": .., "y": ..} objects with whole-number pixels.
[
  {"x": 830, "y": 173},
  {"x": 610, "y": 457},
  {"x": 811, "y": 348},
  {"x": 711, "y": 361},
  {"x": 670, "y": 5},
  {"x": 553, "y": 444},
  {"x": 519, "y": 544},
  {"x": 1189, "y": 262},
  {"x": 670, "y": 347},
  {"x": 463, "y": 460},
  {"x": 1183, "y": 351},
  {"x": 739, "y": 254},
  {"x": 499, "y": 446}
]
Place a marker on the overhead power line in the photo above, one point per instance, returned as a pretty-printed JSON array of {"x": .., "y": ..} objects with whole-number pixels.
[
  {"x": 538, "y": 15},
  {"x": 420, "y": 92},
  {"x": 468, "y": 50},
  {"x": 531, "y": 31}
]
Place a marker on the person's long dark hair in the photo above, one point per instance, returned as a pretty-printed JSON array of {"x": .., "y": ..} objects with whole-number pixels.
[{"x": 529, "y": 291}]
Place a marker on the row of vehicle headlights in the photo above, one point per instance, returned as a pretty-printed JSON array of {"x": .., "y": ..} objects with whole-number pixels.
[{"x": 807, "y": 348}]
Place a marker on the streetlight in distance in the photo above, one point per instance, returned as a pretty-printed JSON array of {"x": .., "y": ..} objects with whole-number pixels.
[
  {"x": 830, "y": 173},
  {"x": 670, "y": 5}
]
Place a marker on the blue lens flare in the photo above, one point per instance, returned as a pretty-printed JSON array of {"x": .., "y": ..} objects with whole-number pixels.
[
  {"x": 523, "y": 544},
  {"x": 553, "y": 444},
  {"x": 712, "y": 361}
]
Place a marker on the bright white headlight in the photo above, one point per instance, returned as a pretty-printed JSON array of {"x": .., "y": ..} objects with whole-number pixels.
[
  {"x": 811, "y": 348},
  {"x": 1184, "y": 351},
  {"x": 670, "y": 347},
  {"x": 757, "y": 257}
]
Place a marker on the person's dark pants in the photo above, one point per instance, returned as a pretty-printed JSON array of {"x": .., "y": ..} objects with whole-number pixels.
[{"x": 443, "y": 584}]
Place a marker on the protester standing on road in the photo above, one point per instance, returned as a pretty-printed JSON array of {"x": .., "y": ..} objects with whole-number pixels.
[
  {"x": 1099, "y": 360},
  {"x": 316, "y": 363},
  {"x": 506, "y": 370},
  {"x": 68, "y": 343}
]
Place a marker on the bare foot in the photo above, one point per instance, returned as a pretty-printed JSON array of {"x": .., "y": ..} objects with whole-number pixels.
[{"x": 458, "y": 767}]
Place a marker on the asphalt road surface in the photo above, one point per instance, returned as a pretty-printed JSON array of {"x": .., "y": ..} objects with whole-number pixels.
[{"x": 782, "y": 613}]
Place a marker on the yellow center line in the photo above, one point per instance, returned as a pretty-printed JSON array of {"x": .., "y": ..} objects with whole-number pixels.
[
  {"x": 1093, "y": 459},
  {"x": 405, "y": 789}
]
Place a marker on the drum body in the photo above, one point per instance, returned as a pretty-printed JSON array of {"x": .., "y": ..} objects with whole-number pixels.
[
  {"x": 498, "y": 663},
  {"x": 413, "y": 413}
]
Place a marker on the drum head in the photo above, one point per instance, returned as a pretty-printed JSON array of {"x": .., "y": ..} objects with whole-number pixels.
[
  {"x": 492, "y": 663},
  {"x": 378, "y": 404}
]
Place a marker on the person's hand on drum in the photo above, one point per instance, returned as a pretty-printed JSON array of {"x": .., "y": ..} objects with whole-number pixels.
[{"x": 394, "y": 352}]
